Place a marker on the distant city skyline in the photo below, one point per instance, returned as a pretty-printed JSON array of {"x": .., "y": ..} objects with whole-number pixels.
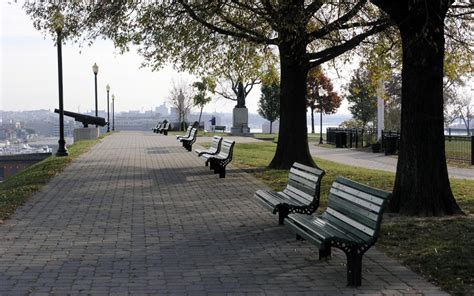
[{"x": 29, "y": 73}]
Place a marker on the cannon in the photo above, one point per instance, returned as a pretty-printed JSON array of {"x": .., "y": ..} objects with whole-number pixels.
[{"x": 84, "y": 119}]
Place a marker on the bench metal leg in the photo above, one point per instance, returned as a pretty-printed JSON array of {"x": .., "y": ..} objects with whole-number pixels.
[
  {"x": 221, "y": 172},
  {"x": 354, "y": 267},
  {"x": 282, "y": 214},
  {"x": 325, "y": 253}
]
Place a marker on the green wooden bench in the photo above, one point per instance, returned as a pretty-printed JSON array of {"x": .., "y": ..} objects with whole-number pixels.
[
  {"x": 351, "y": 223},
  {"x": 188, "y": 132},
  {"x": 158, "y": 127},
  {"x": 219, "y": 128},
  {"x": 213, "y": 150},
  {"x": 189, "y": 141},
  {"x": 222, "y": 159},
  {"x": 164, "y": 129},
  {"x": 301, "y": 195}
]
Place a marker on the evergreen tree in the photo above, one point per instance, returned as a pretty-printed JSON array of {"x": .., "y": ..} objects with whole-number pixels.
[
  {"x": 362, "y": 97},
  {"x": 269, "y": 104}
]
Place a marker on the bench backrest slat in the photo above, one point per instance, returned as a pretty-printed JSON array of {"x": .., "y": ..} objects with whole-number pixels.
[
  {"x": 316, "y": 171},
  {"x": 193, "y": 133},
  {"x": 188, "y": 131},
  {"x": 298, "y": 195},
  {"x": 356, "y": 208},
  {"x": 226, "y": 147},
  {"x": 166, "y": 125},
  {"x": 216, "y": 143},
  {"x": 304, "y": 183}
]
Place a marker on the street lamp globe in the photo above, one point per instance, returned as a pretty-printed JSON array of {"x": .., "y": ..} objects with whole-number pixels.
[
  {"x": 107, "y": 87},
  {"x": 95, "y": 68}
]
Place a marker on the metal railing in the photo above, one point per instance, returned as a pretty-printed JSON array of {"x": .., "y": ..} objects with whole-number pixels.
[{"x": 458, "y": 148}]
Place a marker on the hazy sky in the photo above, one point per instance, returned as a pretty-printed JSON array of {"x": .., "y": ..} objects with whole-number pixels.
[{"x": 29, "y": 78}]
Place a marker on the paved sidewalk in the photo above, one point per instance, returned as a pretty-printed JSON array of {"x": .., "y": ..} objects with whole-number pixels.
[
  {"x": 139, "y": 215},
  {"x": 376, "y": 161}
]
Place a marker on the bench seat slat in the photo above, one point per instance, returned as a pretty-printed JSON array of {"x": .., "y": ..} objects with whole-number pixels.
[
  {"x": 274, "y": 198},
  {"x": 321, "y": 228}
]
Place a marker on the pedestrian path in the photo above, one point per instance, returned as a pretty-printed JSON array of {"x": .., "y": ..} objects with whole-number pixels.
[
  {"x": 139, "y": 215},
  {"x": 377, "y": 161}
]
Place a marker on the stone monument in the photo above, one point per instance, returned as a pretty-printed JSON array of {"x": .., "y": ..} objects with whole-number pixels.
[
  {"x": 240, "y": 119},
  {"x": 85, "y": 133}
]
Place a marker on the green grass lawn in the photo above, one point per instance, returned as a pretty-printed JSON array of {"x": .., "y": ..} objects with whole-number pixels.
[
  {"x": 15, "y": 190},
  {"x": 439, "y": 249}
]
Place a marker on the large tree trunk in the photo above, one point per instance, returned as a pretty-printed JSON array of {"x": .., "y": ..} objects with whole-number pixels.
[
  {"x": 293, "y": 134},
  {"x": 422, "y": 186},
  {"x": 200, "y": 114}
]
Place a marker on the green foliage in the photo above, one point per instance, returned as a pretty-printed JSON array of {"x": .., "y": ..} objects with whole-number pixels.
[
  {"x": 352, "y": 123},
  {"x": 269, "y": 103},
  {"x": 203, "y": 87},
  {"x": 362, "y": 97},
  {"x": 320, "y": 92}
]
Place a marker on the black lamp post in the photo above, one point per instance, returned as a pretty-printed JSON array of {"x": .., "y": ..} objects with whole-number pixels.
[
  {"x": 59, "y": 25},
  {"x": 320, "y": 119},
  {"x": 113, "y": 112},
  {"x": 108, "y": 116},
  {"x": 95, "y": 69}
]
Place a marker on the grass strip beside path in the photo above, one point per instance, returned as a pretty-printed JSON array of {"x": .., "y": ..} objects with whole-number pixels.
[
  {"x": 439, "y": 249},
  {"x": 15, "y": 190}
]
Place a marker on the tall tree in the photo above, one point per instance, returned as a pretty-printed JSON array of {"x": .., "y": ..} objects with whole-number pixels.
[
  {"x": 181, "y": 98},
  {"x": 320, "y": 94},
  {"x": 269, "y": 103},
  {"x": 184, "y": 32},
  {"x": 422, "y": 185},
  {"x": 362, "y": 97},
  {"x": 201, "y": 98},
  {"x": 238, "y": 69}
]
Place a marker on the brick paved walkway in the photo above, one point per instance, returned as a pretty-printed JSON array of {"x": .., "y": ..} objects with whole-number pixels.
[{"x": 139, "y": 215}]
